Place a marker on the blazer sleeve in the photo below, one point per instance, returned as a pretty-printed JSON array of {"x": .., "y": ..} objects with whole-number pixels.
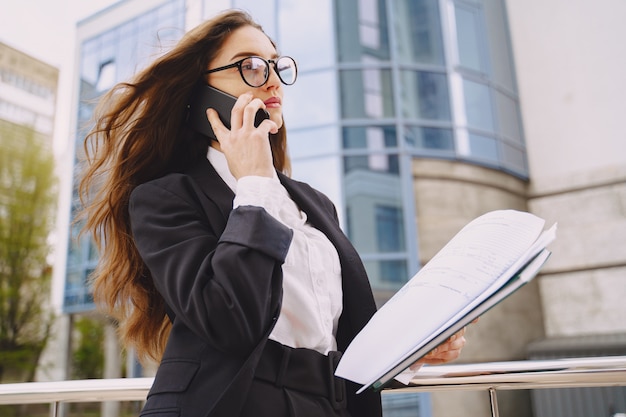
[{"x": 225, "y": 285}]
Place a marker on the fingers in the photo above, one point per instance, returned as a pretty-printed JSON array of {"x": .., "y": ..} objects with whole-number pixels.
[
  {"x": 216, "y": 124},
  {"x": 266, "y": 127},
  {"x": 447, "y": 351},
  {"x": 236, "y": 114},
  {"x": 244, "y": 113},
  {"x": 247, "y": 148}
]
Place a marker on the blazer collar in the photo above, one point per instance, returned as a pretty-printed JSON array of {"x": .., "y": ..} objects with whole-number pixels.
[{"x": 309, "y": 201}]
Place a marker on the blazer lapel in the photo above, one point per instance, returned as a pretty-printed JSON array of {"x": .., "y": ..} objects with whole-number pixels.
[
  {"x": 212, "y": 185},
  {"x": 318, "y": 212}
]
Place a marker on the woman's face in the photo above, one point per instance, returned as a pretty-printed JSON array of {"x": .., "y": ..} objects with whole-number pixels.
[{"x": 244, "y": 42}]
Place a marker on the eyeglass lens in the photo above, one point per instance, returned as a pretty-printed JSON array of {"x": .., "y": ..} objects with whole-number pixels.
[{"x": 255, "y": 70}]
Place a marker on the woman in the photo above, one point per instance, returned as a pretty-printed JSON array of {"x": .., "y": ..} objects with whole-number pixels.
[{"x": 234, "y": 277}]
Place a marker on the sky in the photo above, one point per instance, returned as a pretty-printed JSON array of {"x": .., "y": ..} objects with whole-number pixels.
[{"x": 46, "y": 30}]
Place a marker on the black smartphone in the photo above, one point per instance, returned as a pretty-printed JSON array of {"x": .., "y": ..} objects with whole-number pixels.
[{"x": 205, "y": 97}]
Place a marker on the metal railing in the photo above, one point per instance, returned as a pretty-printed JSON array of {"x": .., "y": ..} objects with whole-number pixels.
[{"x": 490, "y": 377}]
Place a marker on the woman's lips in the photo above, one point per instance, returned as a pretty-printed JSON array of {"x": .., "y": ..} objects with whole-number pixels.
[{"x": 272, "y": 102}]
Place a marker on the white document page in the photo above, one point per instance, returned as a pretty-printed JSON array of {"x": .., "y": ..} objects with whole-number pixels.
[{"x": 468, "y": 265}]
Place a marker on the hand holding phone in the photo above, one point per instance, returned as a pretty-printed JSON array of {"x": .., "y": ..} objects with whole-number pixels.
[{"x": 205, "y": 97}]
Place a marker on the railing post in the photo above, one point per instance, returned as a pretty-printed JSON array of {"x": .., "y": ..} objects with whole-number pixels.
[
  {"x": 493, "y": 400},
  {"x": 54, "y": 408}
]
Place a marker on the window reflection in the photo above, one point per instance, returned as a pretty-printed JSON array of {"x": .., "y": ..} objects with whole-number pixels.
[
  {"x": 306, "y": 143},
  {"x": 418, "y": 31},
  {"x": 118, "y": 53},
  {"x": 499, "y": 44},
  {"x": 425, "y": 95},
  {"x": 264, "y": 12},
  {"x": 386, "y": 274},
  {"x": 127, "y": 54},
  {"x": 372, "y": 138},
  {"x": 393, "y": 272},
  {"x": 471, "y": 38},
  {"x": 389, "y": 228},
  {"x": 376, "y": 162},
  {"x": 373, "y": 198},
  {"x": 311, "y": 39},
  {"x": 74, "y": 253},
  {"x": 484, "y": 148},
  {"x": 366, "y": 93},
  {"x": 361, "y": 30},
  {"x": 514, "y": 158},
  {"x": 89, "y": 63},
  {"x": 478, "y": 108},
  {"x": 92, "y": 251},
  {"x": 106, "y": 76},
  {"x": 509, "y": 123},
  {"x": 429, "y": 138},
  {"x": 369, "y": 24},
  {"x": 311, "y": 101},
  {"x": 403, "y": 404}
]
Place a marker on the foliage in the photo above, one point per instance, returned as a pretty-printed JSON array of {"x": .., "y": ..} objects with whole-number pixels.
[
  {"x": 88, "y": 357},
  {"x": 27, "y": 208}
]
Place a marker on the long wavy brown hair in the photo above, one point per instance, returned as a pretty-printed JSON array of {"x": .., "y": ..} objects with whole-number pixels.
[{"x": 140, "y": 134}]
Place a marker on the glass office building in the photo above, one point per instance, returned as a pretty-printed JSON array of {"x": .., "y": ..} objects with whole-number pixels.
[{"x": 381, "y": 84}]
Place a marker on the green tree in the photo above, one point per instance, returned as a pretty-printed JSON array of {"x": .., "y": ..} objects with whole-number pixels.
[
  {"x": 88, "y": 356},
  {"x": 27, "y": 209}
]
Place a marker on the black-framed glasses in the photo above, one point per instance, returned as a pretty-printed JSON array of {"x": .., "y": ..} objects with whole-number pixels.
[{"x": 255, "y": 71}]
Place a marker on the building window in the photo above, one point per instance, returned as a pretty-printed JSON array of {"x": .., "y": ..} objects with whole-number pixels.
[
  {"x": 371, "y": 138},
  {"x": 425, "y": 95},
  {"x": 430, "y": 139},
  {"x": 393, "y": 272},
  {"x": 106, "y": 76},
  {"x": 403, "y": 405},
  {"x": 389, "y": 229},
  {"x": 478, "y": 106},
  {"x": 482, "y": 147},
  {"x": 508, "y": 117},
  {"x": 366, "y": 93},
  {"x": 471, "y": 38},
  {"x": 488, "y": 123},
  {"x": 362, "y": 30},
  {"x": 418, "y": 31}
]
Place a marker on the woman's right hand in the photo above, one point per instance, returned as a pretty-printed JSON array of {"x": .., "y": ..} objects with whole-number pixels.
[{"x": 247, "y": 148}]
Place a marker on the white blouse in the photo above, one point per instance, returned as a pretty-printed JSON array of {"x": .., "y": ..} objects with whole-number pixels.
[{"x": 312, "y": 294}]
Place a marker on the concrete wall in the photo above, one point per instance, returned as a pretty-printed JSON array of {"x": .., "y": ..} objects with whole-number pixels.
[
  {"x": 570, "y": 70},
  {"x": 584, "y": 287}
]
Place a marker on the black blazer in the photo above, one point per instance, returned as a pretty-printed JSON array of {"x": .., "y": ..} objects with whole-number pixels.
[{"x": 219, "y": 271}]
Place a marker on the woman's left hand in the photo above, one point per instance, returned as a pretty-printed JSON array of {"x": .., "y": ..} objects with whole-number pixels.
[{"x": 445, "y": 352}]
